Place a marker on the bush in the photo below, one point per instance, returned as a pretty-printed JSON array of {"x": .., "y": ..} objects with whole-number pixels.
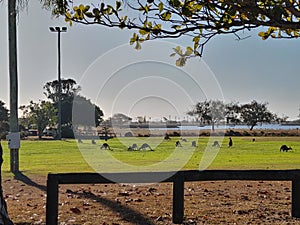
[
  {"x": 176, "y": 134},
  {"x": 128, "y": 134},
  {"x": 67, "y": 132},
  {"x": 3, "y": 135}
]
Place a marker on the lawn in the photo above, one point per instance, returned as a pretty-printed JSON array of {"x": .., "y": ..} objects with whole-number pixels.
[{"x": 42, "y": 157}]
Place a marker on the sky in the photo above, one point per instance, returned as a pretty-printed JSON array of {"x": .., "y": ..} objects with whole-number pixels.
[{"x": 119, "y": 78}]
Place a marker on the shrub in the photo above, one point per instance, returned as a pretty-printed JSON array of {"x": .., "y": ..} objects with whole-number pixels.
[{"x": 128, "y": 134}]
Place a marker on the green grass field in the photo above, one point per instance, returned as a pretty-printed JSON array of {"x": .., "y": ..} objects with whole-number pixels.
[{"x": 42, "y": 157}]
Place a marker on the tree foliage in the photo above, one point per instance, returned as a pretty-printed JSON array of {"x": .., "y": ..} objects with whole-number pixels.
[
  {"x": 3, "y": 112},
  {"x": 85, "y": 110},
  {"x": 250, "y": 114},
  {"x": 210, "y": 112},
  {"x": 4, "y": 123},
  {"x": 69, "y": 89},
  {"x": 200, "y": 20},
  {"x": 254, "y": 113},
  {"x": 40, "y": 114},
  {"x": 71, "y": 99}
]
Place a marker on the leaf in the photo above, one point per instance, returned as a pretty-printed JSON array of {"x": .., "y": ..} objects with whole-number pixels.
[
  {"x": 175, "y": 3},
  {"x": 118, "y": 5},
  {"x": 89, "y": 14},
  {"x": 86, "y": 8},
  {"x": 81, "y": 7},
  {"x": 160, "y": 7},
  {"x": 166, "y": 15},
  {"x": 133, "y": 39},
  {"x": 178, "y": 50},
  {"x": 173, "y": 54},
  {"x": 181, "y": 61},
  {"x": 186, "y": 11},
  {"x": 138, "y": 46},
  {"x": 189, "y": 51},
  {"x": 96, "y": 12}
]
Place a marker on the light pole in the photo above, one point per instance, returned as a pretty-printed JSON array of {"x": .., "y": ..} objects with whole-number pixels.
[{"x": 58, "y": 30}]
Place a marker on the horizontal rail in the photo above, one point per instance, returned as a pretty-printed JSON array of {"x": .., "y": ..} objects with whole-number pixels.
[
  {"x": 189, "y": 175},
  {"x": 178, "y": 178}
]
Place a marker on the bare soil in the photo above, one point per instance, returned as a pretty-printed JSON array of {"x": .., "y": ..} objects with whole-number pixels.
[{"x": 221, "y": 202}]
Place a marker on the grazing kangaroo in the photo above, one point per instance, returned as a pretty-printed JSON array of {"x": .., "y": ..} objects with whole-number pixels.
[
  {"x": 167, "y": 137},
  {"x": 178, "y": 144},
  {"x": 194, "y": 144},
  {"x": 105, "y": 146},
  {"x": 285, "y": 148},
  {"x": 133, "y": 147},
  {"x": 145, "y": 146},
  {"x": 216, "y": 144}
]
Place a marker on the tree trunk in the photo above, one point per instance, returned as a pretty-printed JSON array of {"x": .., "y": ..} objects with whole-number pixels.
[
  {"x": 4, "y": 218},
  {"x": 13, "y": 79},
  {"x": 213, "y": 126}
]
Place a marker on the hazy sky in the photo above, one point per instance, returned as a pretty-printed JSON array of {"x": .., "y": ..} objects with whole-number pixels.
[{"x": 121, "y": 79}]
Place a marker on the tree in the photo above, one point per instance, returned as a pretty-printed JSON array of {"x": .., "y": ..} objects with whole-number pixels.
[
  {"x": 69, "y": 89},
  {"x": 4, "y": 125},
  {"x": 254, "y": 113},
  {"x": 233, "y": 113},
  {"x": 71, "y": 99},
  {"x": 210, "y": 112},
  {"x": 85, "y": 110},
  {"x": 200, "y": 20},
  {"x": 41, "y": 114}
]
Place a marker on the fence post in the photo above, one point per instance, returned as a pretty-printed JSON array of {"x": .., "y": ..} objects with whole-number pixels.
[
  {"x": 52, "y": 200},
  {"x": 178, "y": 198},
  {"x": 296, "y": 197}
]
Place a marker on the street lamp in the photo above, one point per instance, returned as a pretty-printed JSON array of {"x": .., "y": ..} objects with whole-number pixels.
[{"x": 58, "y": 30}]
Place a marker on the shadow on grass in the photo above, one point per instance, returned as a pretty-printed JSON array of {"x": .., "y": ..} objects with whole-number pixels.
[
  {"x": 128, "y": 214},
  {"x": 26, "y": 180}
]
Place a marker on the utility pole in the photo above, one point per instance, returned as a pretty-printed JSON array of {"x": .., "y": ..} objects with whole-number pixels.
[{"x": 14, "y": 135}]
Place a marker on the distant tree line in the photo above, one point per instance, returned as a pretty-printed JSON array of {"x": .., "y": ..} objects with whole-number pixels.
[
  {"x": 214, "y": 111},
  {"x": 42, "y": 114},
  {"x": 39, "y": 115},
  {"x": 4, "y": 117}
]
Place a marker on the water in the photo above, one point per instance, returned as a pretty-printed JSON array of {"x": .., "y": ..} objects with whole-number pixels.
[{"x": 237, "y": 127}]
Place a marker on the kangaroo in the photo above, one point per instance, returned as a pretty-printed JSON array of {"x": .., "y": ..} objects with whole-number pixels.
[
  {"x": 216, "y": 144},
  {"x": 285, "y": 148},
  {"x": 105, "y": 146},
  {"x": 230, "y": 142},
  {"x": 178, "y": 144},
  {"x": 145, "y": 146},
  {"x": 133, "y": 147},
  {"x": 194, "y": 144}
]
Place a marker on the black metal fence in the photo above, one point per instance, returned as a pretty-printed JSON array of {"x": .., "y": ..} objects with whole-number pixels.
[{"x": 177, "y": 178}]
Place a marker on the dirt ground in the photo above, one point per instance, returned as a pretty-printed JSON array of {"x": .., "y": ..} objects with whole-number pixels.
[{"x": 221, "y": 202}]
